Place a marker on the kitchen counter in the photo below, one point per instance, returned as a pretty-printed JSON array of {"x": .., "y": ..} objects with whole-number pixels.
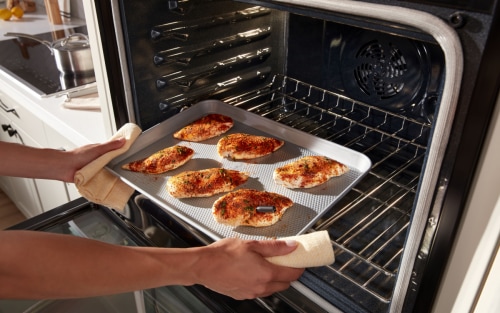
[{"x": 78, "y": 126}]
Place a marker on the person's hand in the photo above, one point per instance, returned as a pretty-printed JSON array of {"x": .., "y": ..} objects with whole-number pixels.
[
  {"x": 238, "y": 268},
  {"x": 83, "y": 155}
]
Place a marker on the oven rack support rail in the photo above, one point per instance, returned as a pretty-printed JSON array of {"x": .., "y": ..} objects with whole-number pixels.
[{"x": 369, "y": 225}]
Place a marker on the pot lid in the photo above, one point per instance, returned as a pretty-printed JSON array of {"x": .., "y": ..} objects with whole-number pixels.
[{"x": 72, "y": 42}]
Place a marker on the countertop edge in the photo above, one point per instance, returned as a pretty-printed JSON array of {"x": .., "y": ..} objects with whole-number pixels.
[{"x": 78, "y": 126}]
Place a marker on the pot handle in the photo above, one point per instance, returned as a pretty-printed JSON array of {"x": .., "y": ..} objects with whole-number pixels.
[{"x": 22, "y": 35}]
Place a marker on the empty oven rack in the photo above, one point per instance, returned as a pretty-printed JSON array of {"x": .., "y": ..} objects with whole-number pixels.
[{"x": 368, "y": 226}]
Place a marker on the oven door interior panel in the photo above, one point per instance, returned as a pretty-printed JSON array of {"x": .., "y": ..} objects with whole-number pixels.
[{"x": 363, "y": 76}]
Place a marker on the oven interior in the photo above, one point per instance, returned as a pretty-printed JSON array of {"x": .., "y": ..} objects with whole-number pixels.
[{"x": 367, "y": 85}]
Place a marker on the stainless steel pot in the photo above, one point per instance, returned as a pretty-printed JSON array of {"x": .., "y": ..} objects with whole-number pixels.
[{"x": 72, "y": 54}]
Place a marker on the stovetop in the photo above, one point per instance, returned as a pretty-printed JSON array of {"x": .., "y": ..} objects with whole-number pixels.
[{"x": 33, "y": 64}]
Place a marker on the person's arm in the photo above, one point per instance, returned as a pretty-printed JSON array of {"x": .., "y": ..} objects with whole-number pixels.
[
  {"x": 37, "y": 265},
  {"x": 23, "y": 161}
]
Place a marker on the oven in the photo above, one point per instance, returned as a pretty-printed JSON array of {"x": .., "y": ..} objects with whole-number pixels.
[{"x": 410, "y": 84}]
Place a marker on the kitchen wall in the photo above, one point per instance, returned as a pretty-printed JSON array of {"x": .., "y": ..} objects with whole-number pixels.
[{"x": 76, "y": 7}]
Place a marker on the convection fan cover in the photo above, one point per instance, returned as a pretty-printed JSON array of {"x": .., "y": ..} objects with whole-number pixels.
[{"x": 385, "y": 71}]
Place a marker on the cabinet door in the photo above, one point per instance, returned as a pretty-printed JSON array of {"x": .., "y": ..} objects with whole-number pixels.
[
  {"x": 50, "y": 193},
  {"x": 26, "y": 196},
  {"x": 17, "y": 110},
  {"x": 22, "y": 191},
  {"x": 65, "y": 191},
  {"x": 5, "y": 182}
]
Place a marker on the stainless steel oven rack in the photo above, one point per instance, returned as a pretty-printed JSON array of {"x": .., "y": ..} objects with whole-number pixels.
[{"x": 368, "y": 226}]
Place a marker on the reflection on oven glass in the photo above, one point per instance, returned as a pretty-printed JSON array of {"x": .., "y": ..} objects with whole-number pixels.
[
  {"x": 99, "y": 231},
  {"x": 96, "y": 226}
]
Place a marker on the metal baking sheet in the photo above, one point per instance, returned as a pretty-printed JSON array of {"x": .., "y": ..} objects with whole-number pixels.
[{"x": 309, "y": 204}]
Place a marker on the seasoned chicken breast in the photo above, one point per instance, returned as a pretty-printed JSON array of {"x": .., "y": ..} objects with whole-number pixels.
[
  {"x": 240, "y": 208},
  {"x": 162, "y": 161},
  {"x": 307, "y": 172},
  {"x": 209, "y": 126},
  {"x": 241, "y": 146},
  {"x": 204, "y": 183}
]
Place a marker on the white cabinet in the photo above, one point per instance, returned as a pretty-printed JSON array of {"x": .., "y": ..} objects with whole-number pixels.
[
  {"x": 19, "y": 125},
  {"x": 5, "y": 183},
  {"x": 22, "y": 191},
  {"x": 56, "y": 141}
]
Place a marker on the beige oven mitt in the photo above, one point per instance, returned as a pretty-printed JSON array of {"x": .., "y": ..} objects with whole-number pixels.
[
  {"x": 100, "y": 186},
  {"x": 314, "y": 249}
]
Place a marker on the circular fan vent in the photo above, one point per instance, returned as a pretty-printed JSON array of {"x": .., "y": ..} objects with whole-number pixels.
[
  {"x": 390, "y": 72},
  {"x": 380, "y": 71}
]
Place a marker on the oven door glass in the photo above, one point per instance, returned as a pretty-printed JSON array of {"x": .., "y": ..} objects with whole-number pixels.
[
  {"x": 100, "y": 224},
  {"x": 141, "y": 223}
]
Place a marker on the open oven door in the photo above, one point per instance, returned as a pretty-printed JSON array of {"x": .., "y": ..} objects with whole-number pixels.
[{"x": 141, "y": 223}]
